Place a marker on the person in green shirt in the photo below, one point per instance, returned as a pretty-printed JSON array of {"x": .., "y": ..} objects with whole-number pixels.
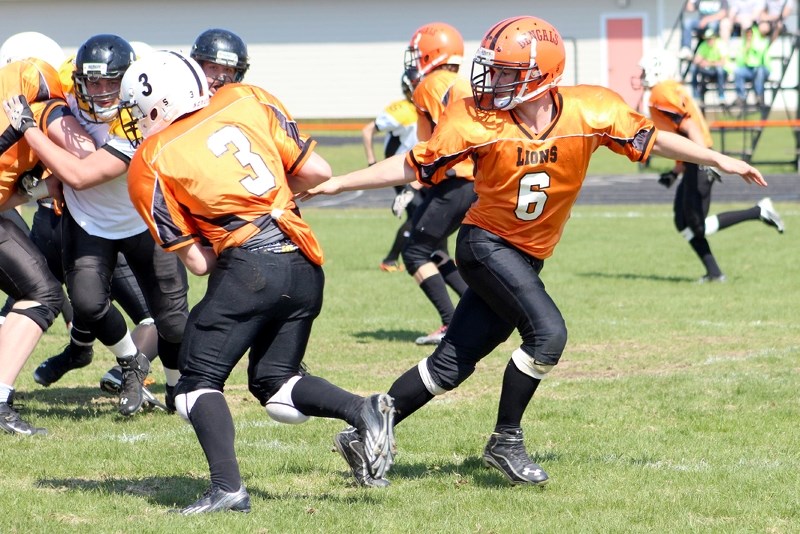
[
  {"x": 751, "y": 65},
  {"x": 709, "y": 64}
]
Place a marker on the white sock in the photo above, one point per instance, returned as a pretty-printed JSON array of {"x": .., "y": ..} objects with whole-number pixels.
[
  {"x": 5, "y": 392},
  {"x": 172, "y": 375},
  {"x": 125, "y": 347}
]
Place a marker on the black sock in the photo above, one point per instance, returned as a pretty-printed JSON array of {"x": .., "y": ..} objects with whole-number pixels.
[
  {"x": 316, "y": 397},
  {"x": 452, "y": 278},
  {"x": 703, "y": 250},
  {"x": 436, "y": 291},
  {"x": 213, "y": 424},
  {"x": 409, "y": 394},
  {"x": 400, "y": 240},
  {"x": 517, "y": 392},
  {"x": 729, "y": 218}
]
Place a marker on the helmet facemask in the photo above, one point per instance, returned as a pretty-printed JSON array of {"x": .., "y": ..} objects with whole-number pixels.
[
  {"x": 129, "y": 114},
  {"x": 409, "y": 82},
  {"x": 503, "y": 87},
  {"x": 97, "y": 107}
]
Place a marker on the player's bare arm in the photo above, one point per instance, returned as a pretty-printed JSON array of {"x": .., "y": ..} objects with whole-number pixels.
[
  {"x": 673, "y": 146},
  {"x": 386, "y": 173},
  {"x": 198, "y": 259}
]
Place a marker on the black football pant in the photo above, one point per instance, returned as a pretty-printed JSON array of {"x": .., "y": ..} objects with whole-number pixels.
[
  {"x": 89, "y": 263},
  {"x": 258, "y": 301}
]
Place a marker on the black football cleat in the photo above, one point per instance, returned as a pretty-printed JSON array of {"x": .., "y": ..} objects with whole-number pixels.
[
  {"x": 131, "y": 394},
  {"x": 376, "y": 431},
  {"x": 217, "y": 500},
  {"x": 506, "y": 453},
  {"x": 12, "y": 423},
  {"x": 53, "y": 368},
  {"x": 348, "y": 444}
]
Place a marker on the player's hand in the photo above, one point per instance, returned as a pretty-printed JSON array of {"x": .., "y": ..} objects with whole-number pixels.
[
  {"x": 332, "y": 186},
  {"x": 749, "y": 174},
  {"x": 19, "y": 113},
  {"x": 402, "y": 200},
  {"x": 667, "y": 178},
  {"x": 28, "y": 180}
]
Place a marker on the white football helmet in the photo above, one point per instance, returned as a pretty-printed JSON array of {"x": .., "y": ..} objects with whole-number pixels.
[
  {"x": 31, "y": 44},
  {"x": 158, "y": 89},
  {"x": 140, "y": 48},
  {"x": 657, "y": 68}
]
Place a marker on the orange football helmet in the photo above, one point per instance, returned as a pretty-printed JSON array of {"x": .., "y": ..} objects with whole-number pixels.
[
  {"x": 519, "y": 59},
  {"x": 433, "y": 45}
]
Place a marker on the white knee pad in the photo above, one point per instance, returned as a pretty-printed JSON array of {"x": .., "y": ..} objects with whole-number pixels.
[
  {"x": 427, "y": 379},
  {"x": 529, "y": 366},
  {"x": 712, "y": 225},
  {"x": 185, "y": 401},
  {"x": 281, "y": 408}
]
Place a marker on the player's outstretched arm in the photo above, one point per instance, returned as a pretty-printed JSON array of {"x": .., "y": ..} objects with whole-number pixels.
[
  {"x": 676, "y": 147},
  {"x": 385, "y": 173}
]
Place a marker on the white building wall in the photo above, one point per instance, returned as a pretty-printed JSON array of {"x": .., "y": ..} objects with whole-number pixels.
[{"x": 335, "y": 58}]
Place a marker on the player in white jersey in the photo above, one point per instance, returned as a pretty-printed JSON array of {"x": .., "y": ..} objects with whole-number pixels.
[{"x": 100, "y": 222}]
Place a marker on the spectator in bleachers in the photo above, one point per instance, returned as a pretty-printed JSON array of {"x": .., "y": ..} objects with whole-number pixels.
[
  {"x": 708, "y": 65},
  {"x": 742, "y": 14},
  {"x": 698, "y": 16},
  {"x": 751, "y": 65},
  {"x": 771, "y": 20}
]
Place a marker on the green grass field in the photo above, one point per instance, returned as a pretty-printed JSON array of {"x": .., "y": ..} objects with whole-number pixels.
[{"x": 674, "y": 409}]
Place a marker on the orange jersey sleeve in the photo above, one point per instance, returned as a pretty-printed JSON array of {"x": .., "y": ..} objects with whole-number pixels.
[
  {"x": 434, "y": 93},
  {"x": 527, "y": 182},
  {"x": 39, "y": 83},
  {"x": 671, "y": 104},
  {"x": 221, "y": 174}
]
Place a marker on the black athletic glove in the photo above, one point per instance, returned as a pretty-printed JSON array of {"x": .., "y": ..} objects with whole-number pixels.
[
  {"x": 667, "y": 178},
  {"x": 19, "y": 113}
]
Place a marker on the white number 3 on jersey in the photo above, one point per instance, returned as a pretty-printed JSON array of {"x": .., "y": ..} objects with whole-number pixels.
[{"x": 262, "y": 179}]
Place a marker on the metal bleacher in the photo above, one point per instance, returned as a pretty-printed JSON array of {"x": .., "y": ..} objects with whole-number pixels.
[{"x": 740, "y": 129}]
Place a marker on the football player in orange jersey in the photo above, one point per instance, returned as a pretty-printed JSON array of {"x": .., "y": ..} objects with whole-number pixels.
[
  {"x": 673, "y": 109},
  {"x": 99, "y": 222},
  {"x": 531, "y": 141},
  {"x": 398, "y": 121},
  {"x": 227, "y": 210},
  {"x": 17, "y": 47},
  {"x": 436, "y": 51},
  {"x": 24, "y": 274}
]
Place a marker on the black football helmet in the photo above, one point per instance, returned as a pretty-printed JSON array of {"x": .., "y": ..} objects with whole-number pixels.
[
  {"x": 102, "y": 56},
  {"x": 222, "y": 47}
]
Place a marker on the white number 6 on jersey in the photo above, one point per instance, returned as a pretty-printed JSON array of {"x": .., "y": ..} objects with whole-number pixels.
[{"x": 531, "y": 199}]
